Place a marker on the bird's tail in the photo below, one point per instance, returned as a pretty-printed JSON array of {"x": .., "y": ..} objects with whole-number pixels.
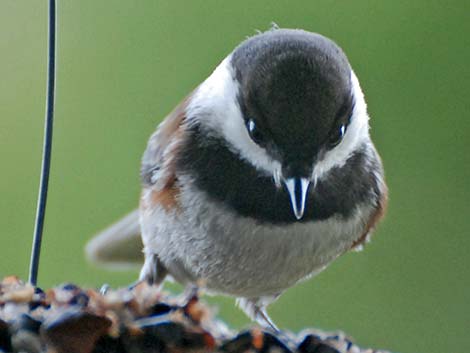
[{"x": 119, "y": 246}]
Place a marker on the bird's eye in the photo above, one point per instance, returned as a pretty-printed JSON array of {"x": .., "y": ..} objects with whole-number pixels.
[
  {"x": 337, "y": 136},
  {"x": 254, "y": 132}
]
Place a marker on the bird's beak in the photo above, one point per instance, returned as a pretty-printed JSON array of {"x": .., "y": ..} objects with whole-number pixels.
[{"x": 297, "y": 188}]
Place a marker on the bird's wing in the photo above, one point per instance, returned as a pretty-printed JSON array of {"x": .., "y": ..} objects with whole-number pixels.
[
  {"x": 374, "y": 218},
  {"x": 120, "y": 245},
  {"x": 158, "y": 162}
]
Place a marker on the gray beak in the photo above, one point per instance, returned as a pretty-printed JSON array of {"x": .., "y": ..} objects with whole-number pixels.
[{"x": 297, "y": 188}]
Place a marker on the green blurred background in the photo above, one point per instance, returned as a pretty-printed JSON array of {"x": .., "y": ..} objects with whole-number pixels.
[{"x": 122, "y": 65}]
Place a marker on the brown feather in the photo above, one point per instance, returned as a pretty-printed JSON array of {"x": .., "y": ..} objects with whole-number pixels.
[
  {"x": 166, "y": 197},
  {"x": 374, "y": 219},
  {"x": 160, "y": 154}
]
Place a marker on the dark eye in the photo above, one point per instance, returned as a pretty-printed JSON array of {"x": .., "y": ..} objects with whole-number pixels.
[
  {"x": 254, "y": 132},
  {"x": 337, "y": 135}
]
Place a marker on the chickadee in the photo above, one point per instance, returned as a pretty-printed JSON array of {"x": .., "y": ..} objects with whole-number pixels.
[{"x": 259, "y": 178}]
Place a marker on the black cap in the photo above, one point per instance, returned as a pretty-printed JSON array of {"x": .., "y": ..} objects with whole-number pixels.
[{"x": 296, "y": 86}]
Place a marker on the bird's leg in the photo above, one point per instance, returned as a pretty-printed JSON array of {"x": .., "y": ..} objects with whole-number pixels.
[
  {"x": 262, "y": 318},
  {"x": 190, "y": 292},
  {"x": 256, "y": 309},
  {"x": 153, "y": 271}
]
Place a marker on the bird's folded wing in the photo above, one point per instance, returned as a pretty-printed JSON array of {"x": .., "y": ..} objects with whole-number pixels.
[{"x": 119, "y": 246}]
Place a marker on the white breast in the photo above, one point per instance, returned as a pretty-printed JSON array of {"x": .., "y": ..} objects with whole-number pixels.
[{"x": 239, "y": 256}]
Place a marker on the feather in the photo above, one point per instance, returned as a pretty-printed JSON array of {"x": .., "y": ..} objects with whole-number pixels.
[{"x": 119, "y": 246}]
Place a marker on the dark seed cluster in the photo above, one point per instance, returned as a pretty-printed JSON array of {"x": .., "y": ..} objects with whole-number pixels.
[{"x": 142, "y": 319}]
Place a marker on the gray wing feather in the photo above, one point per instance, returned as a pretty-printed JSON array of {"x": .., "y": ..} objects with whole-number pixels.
[{"x": 120, "y": 245}]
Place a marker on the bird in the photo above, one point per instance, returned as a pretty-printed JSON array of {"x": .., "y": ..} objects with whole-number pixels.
[{"x": 261, "y": 177}]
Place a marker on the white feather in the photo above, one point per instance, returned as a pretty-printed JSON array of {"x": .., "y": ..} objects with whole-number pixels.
[
  {"x": 215, "y": 105},
  {"x": 356, "y": 134}
]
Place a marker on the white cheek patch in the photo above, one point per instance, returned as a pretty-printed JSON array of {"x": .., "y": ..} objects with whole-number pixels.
[
  {"x": 356, "y": 133},
  {"x": 215, "y": 105}
]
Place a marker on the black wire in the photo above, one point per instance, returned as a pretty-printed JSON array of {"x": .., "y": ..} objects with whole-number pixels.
[{"x": 46, "y": 156}]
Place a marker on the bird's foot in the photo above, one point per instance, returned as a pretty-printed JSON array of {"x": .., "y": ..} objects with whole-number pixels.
[
  {"x": 256, "y": 310},
  {"x": 262, "y": 318}
]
